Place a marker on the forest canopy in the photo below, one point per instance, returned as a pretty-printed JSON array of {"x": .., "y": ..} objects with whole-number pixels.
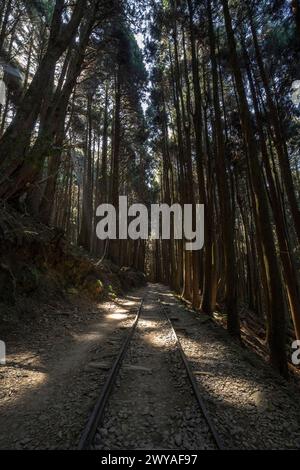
[{"x": 173, "y": 101}]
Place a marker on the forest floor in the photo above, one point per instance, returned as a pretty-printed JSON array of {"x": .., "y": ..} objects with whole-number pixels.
[
  {"x": 49, "y": 384},
  {"x": 57, "y": 364}
]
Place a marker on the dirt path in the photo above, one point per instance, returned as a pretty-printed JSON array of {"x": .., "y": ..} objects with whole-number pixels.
[
  {"x": 57, "y": 364},
  {"x": 152, "y": 406},
  {"x": 50, "y": 382}
]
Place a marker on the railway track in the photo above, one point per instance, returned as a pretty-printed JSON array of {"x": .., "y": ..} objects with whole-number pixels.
[
  {"x": 97, "y": 416},
  {"x": 194, "y": 385}
]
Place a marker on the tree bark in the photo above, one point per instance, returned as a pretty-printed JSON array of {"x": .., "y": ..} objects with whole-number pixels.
[{"x": 260, "y": 203}]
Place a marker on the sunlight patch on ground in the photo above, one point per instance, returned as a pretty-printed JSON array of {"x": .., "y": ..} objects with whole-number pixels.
[
  {"x": 225, "y": 396},
  {"x": 88, "y": 337},
  {"x": 117, "y": 316},
  {"x": 203, "y": 367},
  {"x": 23, "y": 376},
  {"x": 147, "y": 324}
]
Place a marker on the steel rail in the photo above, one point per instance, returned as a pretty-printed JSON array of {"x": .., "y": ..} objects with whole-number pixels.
[
  {"x": 194, "y": 384},
  {"x": 98, "y": 411}
]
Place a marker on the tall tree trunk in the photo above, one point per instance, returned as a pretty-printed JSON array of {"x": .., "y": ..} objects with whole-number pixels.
[
  {"x": 279, "y": 141},
  {"x": 7, "y": 12},
  {"x": 16, "y": 140},
  {"x": 226, "y": 215},
  {"x": 264, "y": 229},
  {"x": 85, "y": 236},
  {"x": 286, "y": 255},
  {"x": 115, "y": 170}
]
